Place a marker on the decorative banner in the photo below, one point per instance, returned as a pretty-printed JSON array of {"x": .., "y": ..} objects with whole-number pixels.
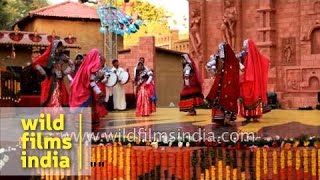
[{"x": 116, "y": 21}]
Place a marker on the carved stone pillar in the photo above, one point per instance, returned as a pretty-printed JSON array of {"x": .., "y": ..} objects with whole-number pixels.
[
  {"x": 266, "y": 31},
  {"x": 230, "y": 19},
  {"x": 197, "y": 33}
]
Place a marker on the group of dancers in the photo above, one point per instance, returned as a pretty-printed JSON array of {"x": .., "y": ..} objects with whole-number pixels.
[
  {"x": 240, "y": 83},
  {"x": 239, "y": 87},
  {"x": 89, "y": 79}
]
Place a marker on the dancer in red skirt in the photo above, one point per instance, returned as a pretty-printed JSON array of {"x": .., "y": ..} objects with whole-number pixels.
[
  {"x": 145, "y": 87},
  {"x": 224, "y": 93},
  {"x": 49, "y": 64},
  {"x": 86, "y": 88},
  {"x": 191, "y": 95},
  {"x": 253, "y": 82}
]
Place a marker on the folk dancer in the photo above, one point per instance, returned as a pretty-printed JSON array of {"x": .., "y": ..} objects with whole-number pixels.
[
  {"x": 224, "y": 92},
  {"x": 86, "y": 88},
  {"x": 49, "y": 64},
  {"x": 145, "y": 91},
  {"x": 191, "y": 95},
  {"x": 253, "y": 82}
]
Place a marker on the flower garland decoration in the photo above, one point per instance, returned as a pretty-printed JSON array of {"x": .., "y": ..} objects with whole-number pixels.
[
  {"x": 258, "y": 159},
  {"x": 313, "y": 163},
  {"x": 298, "y": 163},
  {"x": 127, "y": 163},
  {"x": 234, "y": 174},
  {"x": 220, "y": 172},
  {"x": 305, "y": 160},
  {"x": 213, "y": 172},
  {"x": 274, "y": 162}
]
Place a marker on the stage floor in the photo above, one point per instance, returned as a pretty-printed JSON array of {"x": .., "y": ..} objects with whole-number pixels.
[{"x": 284, "y": 123}]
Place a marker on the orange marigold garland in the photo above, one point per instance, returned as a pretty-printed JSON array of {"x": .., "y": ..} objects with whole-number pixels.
[
  {"x": 289, "y": 163},
  {"x": 93, "y": 163},
  {"x": 265, "y": 162},
  {"x": 305, "y": 163},
  {"x": 99, "y": 160},
  {"x": 105, "y": 162},
  {"x": 115, "y": 161},
  {"x": 133, "y": 165},
  {"x": 139, "y": 164},
  {"x": 282, "y": 164},
  {"x": 109, "y": 165},
  {"x": 313, "y": 164},
  {"x": 127, "y": 163},
  {"x": 186, "y": 164},
  {"x": 179, "y": 167},
  {"x": 258, "y": 161},
  {"x": 121, "y": 163},
  {"x": 298, "y": 164}
]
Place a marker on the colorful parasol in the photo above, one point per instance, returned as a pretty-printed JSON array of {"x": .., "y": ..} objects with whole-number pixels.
[{"x": 116, "y": 21}]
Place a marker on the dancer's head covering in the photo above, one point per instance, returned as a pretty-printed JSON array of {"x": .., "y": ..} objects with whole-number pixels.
[
  {"x": 226, "y": 84},
  {"x": 47, "y": 58},
  {"x": 140, "y": 61},
  {"x": 255, "y": 76},
  {"x": 80, "y": 90}
]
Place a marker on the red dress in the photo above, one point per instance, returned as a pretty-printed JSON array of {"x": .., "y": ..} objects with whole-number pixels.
[
  {"x": 53, "y": 90},
  {"x": 253, "y": 83},
  {"x": 224, "y": 92},
  {"x": 145, "y": 96},
  {"x": 145, "y": 106},
  {"x": 98, "y": 108},
  {"x": 81, "y": 93}
]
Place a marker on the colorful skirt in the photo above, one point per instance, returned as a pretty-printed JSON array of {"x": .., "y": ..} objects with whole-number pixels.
[
  {"x": 145, "y": 104},
  {"x": 218, "y": 116},
  {"x": 54, "y": 93},
  {"x": 98, "y": 108},
  {"x": 190, "y": 98},
  {"x": 255, "y": 112}
]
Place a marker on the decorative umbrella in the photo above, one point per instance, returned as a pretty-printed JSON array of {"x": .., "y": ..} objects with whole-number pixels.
[{"x": 116, "y": 21}]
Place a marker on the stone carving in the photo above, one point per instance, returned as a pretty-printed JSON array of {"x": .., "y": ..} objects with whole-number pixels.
[
  {"x": 316, "y": 7},
  {"x": 195, "y": 39},
  {"x": 293, "y": 84},
  {"x": 228, "y": 27},
  {"x": 293, "y": 79},
  {"x": 288, "y": 51},
  {"x": 311, "y": 79}
]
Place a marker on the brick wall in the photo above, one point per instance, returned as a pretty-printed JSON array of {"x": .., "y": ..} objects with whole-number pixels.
[{"x": 129, "y": 58}]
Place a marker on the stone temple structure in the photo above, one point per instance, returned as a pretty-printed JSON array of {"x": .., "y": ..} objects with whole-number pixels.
[{"x": 286, "y": 31}]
